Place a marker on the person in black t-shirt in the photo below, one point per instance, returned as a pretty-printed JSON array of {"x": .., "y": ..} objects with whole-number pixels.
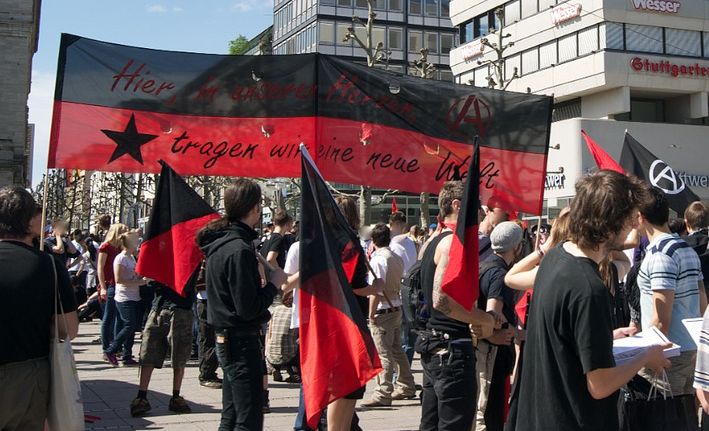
[
  {"x": 450, "y": 383},
  {"x": 276, "y": 247},
  {"x": 59, "y": 244},
  {"x": 496, "y": 353},
  {"x": 569, "y": 379},
  {"x": 696, "y": 217},
  {"x": 27, "y": 288}
]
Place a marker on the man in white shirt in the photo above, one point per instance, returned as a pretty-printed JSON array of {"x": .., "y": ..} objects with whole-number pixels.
[
  {"x": 385, "y": 324},
  {"x": 401, "y": 243}
]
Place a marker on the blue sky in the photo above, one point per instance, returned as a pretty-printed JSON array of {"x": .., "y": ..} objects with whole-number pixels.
[{"x": 199, "y": 26}]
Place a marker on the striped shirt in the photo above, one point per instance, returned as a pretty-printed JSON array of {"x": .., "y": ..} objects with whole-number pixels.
[
  {"x": 671, "y": 264},
  {"x": 701, "y": 373}
]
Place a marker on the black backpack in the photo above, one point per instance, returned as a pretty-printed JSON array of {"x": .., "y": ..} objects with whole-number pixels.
[
  {"x": 631, "y": 291},
  {"x": 416, "y": 311}
]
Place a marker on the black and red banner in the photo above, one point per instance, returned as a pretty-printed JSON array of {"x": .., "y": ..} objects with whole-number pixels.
[
  {"x": 120, "y": 108},
  {"x": 169, "y": 253},
  {"x": 337, "y": 352}
]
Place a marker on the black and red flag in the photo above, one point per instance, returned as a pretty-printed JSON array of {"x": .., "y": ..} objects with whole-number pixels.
[
  {"x": 460, "y": 281},
  {"x": 639, "y": 161},
  {"x": 169, "y": 254},
  {"x": 121, "y": 109},
  {"x": 337, "y": 352}
]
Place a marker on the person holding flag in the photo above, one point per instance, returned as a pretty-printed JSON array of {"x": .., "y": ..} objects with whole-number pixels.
[
  {"x": 449, "y": 283},
  {"x": 238, "y": 303}
]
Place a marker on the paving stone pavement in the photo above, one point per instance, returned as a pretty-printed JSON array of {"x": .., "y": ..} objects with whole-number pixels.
[{"x": 107, "y": 393}]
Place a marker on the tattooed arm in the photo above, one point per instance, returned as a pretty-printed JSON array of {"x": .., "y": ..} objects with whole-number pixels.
[{"x": 444, "y": 304}]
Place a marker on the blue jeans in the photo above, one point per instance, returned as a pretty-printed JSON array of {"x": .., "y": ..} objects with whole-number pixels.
[
  {"x": 129, "y": 314},
  {"x": 242, "y": 387},
  {"x": 408, "y": 339},
  {"x": 108, "y": 321}
]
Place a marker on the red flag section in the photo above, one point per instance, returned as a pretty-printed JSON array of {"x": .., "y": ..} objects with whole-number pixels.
[
  {"x": 394, "y": 208},
  {"x": 337, "y": 353},
  {"x": 121, "y": 109},
  {"x": 603, "y": 159},
  {"x": 460, "y": 281},
  {"x": 169, "y": 254}
]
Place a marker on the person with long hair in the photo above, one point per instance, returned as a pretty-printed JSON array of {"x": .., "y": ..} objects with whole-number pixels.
[
  {"x": 238, "y": 303},
  {"x": 107, "y": 253},
  {"x": 27, "y": 308},
  {"x": 127, "y": 298}
]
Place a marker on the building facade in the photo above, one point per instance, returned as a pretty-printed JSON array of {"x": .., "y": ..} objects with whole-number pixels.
[
  {"x": 611, "y": 65},
  {"x": 403, "y": 26},
  {"x": 19, "y": 33}
]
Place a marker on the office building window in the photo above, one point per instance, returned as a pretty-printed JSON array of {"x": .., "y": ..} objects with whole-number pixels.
[
  {"x": 396, "y": 68},
  {"x": 530, "y": 61},
  {"x": 480, "y": 77},
  {"x": 647, "y": 110},
  {"x": 361, "y": 33},
  {"x": 446, "y": 75},
  {"x": 446, "y": 43},
  {"x": 546, "y": 4},
  {"x": 612, "y": 35},
  {"x": 512, "y": 12},
  {"x": 445, "y": 8},
  {"x": 547, "y": 55},
  {"x": 567, "y": 48},
  {"x": 529, "y": 8},
  {"x": 341, "y": 33},
  {"x": 643, "y": 38},
  {"x": 432, "y": 42},
  {"x": 481, "y": 25},
  {"x": 378, "y": 35},
  {"x": 706, "y": 44},
  {"x": 414, "y": 41},
  {"x": 588, "y": 40},
  {"x": 327, "y": 2},
  {"x": 431, "y": 7},
  {"x": 512, "y": 63},
  {"x": 327, "y": 32},
  {"x": 395, "y": 5},
  {"x": 396, "y": 38},
  {"x": 344, "y": 2},
  {"x": 361, "y": 3},
  {"x": 415, "y": 7},
  {"x": 683, "y": 42},
  {"x": 467, "y": 32}
]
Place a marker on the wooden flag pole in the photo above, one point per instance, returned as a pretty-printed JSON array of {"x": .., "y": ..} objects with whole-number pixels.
[
  {"x": 45, "y": 194},
  {"x": 539, "y": 226}
]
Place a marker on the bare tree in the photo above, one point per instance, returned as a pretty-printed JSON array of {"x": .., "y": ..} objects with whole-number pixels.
[
  {"x": 375, "y": 54},
  {"x": 496, "y": 66}
]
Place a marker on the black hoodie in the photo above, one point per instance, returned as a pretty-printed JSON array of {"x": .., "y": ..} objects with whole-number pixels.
[{"x": 236, "y": 298}]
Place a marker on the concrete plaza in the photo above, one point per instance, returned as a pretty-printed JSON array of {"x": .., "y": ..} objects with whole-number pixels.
[{"x": 107, "y": 393}]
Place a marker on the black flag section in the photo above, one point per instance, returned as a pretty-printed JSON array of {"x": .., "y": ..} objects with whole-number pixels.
[{"x": 638, "y": 161}]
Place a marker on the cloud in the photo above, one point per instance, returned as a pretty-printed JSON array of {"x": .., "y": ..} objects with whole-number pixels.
[
  {"x": 156, "y": 8},
  {"x": 249, "y": 5},
  {"x": 177, "y": 9},
  {"x": 40, "y": 104}
]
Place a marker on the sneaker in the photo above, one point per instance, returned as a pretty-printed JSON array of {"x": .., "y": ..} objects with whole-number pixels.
[
  {"x": 295, "y": 378},
  {"x": 139, "y": 407},
  {"x": 402, "y": 396},
  {"x": 130, "y": 362},
  {"x": 179, "y": 405},
  {"x": 214, "y": 384},
  {"x": 277, "y": 377},
  {"x": 374, "y": 403},
  {"x": 111, "y": 359}
]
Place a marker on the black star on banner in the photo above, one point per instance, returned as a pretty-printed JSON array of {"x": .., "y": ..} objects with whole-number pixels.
[{"x": 128, "y": 141}]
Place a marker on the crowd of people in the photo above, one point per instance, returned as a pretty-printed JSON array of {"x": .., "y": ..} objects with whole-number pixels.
[{"x": 534, "y": 353}]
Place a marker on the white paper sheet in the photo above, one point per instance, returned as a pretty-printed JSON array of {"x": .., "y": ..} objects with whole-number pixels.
[{"x": 625, "y": 349}]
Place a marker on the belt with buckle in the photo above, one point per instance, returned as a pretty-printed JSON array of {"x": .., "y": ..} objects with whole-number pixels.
[{"x": 387, "y": 311}]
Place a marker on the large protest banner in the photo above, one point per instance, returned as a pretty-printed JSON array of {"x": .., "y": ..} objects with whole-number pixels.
[{"x": 122, "y": 109}]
